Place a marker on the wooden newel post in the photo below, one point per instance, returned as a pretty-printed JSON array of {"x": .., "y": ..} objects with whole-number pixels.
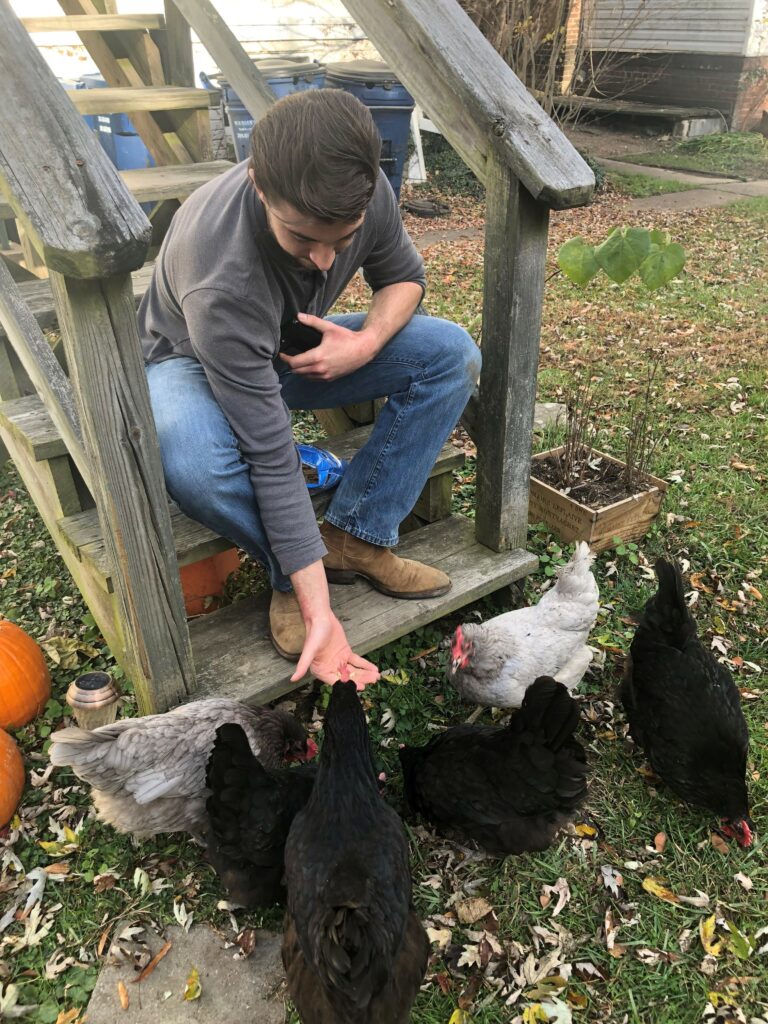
[
  {"x": 515, "y": 256},
  {"x": 98, "y": 323}
]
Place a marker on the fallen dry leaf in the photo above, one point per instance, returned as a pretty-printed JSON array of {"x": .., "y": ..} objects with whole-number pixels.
[
  {"x": 657, "y": 888},
  {"x": 660, "y": 841},
  {"x": 707, "y": 933},
  {"x": 559, "y": 889},
  {"x": 145, "y": 973},
  {"x": 122, "y": 992},
  {"x": 718, "y": 843},
  {"x": 193, "y": 989},
  {"x": 472, "y": 909},
  {"x": 744, "y": 880}
]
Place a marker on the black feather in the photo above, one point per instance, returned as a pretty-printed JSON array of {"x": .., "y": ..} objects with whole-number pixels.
[
  {"x": 683, "y": 707},
  {"x": 250, "y": 811},
  {"x": 508, "y": 788},
  {"x": 354, "y": 949}
]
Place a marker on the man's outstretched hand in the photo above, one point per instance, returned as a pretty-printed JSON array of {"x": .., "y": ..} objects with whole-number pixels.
[{"x": 328, "y": 656}]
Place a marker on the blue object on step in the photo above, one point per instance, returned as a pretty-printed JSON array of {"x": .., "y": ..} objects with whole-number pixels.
[{"x": 328, "y": 468}]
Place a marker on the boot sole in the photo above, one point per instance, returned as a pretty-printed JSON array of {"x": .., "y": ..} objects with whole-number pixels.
[
  {"x": 282, "y": 653},
  {"x": 345, "y": 577}
]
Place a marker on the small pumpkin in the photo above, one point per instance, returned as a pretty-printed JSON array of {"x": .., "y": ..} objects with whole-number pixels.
[
  {"x": 25, "y": 682},
  {"x": 11, "y": 777}
]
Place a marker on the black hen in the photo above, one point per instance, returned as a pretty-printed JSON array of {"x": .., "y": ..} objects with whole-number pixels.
[
  {"x": 354, "y": 949},
  {"x": 250, "y": 811},
  {"x": 508, "y": 788},
  {"x": 684, "y": 709}
]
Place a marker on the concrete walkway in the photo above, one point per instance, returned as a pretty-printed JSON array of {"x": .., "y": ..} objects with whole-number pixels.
[
  {"x": 232, "y": 991},
  {"x": 707, "y": 191}
]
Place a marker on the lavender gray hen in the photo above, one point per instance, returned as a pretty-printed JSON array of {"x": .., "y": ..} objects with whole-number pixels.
[
  {"x": 684, "y": 709},
  {"x": 354, "y": 949},
  {"x": 508, "y": 788},
  {"x": 250, "y": 811}
]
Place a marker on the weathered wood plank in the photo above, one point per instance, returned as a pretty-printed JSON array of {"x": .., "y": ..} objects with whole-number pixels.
[
  {"x": 177, "y": 54},
  {"x": 157, "y": 97},
  {"x": 41, "y": 488},
  {"x": 515, "y": 255},
  {"x": 94, "y": 23},
  {"x": 55, "y": 175},
  {"x": 120, "y": 71},
  {"x": 43, "y": 369},
  {"x": 39, "y": 300},
  {"x": 474, "y": 97},
  {"x": 28, "y": 420},
  {"x": 235, "y": 64},
  {"x": 234, "y": 658},
  {"x": 99, "y": 329}
]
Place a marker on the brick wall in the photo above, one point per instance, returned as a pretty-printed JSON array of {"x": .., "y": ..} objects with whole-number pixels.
[{"x": 736, "y": 86}]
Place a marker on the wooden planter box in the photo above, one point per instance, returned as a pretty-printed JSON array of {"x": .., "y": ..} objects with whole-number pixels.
[{"x": 628, "y": 519}]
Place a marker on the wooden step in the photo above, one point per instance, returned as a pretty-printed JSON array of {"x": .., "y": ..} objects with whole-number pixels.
[
  {"x": 37, "y": 295},
  {"x": 95, "y": 23},
  {"x": 147, "y": 184},
  {"x": 234, "y": 658},
  {"x": 151, "y": 98},
  {"x": 28, "y": 421}
]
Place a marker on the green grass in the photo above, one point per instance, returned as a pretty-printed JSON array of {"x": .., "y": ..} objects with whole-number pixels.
[
  {"x": 638, "y": 186},
  {"x": 732, "y": 155},
  {"x": 713, "y": 420}
]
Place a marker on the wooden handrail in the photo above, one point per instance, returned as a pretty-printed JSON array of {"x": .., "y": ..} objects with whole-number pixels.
[
  {"x": 473, "y": 97},
  {"x": 58, "y": 180}
]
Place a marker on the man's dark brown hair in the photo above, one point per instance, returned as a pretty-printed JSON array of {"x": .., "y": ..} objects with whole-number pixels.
[{"x": 319, "y": 151}]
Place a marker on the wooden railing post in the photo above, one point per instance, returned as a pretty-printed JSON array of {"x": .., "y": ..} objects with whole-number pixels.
[
  {"x": 515, "y": 255},
  {"x": 98, "y": 323}
]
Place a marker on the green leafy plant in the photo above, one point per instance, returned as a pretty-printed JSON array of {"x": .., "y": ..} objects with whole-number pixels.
[{"x": 651, "y": 254}]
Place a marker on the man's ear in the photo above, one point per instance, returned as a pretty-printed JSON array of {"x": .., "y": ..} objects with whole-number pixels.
[{"x": 253, "y": 182}]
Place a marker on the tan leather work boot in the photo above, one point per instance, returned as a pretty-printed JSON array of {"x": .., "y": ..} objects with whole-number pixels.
[
  {"x": 349, "y": 556},
  {"x": 286, "y": 626}
]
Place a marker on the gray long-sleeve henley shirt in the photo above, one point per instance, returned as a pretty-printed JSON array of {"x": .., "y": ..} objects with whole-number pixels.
[{"x": 219, "y": 293}]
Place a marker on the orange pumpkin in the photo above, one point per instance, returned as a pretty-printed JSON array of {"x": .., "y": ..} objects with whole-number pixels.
[
  {"x": 11, "y": 777},
  {"x": 25, "y": 682}
]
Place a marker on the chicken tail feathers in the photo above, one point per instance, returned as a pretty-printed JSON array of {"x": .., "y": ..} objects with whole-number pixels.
[
  {"x": 549, "y": 710},
  {"x": 571, "y": 577},
  {"x": 666, "y": 612},
  {"x": 77, "y": 748}
]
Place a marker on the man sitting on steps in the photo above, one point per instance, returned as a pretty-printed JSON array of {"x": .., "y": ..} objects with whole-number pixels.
[{"x": 274, "y": 239}]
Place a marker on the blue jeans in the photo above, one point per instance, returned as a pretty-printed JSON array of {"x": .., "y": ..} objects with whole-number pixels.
[{"x": 427, "y": 371}]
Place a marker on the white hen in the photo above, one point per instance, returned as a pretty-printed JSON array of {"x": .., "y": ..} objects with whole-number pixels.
[
  {"x": 148, "y": 774},
  {"x": 493, "y": 663}
]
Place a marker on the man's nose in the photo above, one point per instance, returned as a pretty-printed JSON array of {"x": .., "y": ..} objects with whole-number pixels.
[{"x": 322, "y": 256}]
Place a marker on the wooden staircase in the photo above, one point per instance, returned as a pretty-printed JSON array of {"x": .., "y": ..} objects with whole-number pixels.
[
  {"x": 146, "y": 59},
  {"x": 83, "y": 440}
]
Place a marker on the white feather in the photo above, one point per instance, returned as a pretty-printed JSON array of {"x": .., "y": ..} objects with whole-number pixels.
[{"x": 550, "y": 638}]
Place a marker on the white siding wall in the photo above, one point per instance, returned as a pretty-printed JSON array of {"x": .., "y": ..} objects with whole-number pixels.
[
  {"x": 688, "y": 26},
  {"x": 322, "y": 29},
  {"x": 757, "y": 45}
]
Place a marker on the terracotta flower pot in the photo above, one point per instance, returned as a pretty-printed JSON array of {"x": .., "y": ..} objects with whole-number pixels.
[{"x": 202, "y": 583}]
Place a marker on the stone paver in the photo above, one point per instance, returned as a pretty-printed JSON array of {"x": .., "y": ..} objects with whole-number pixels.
[
  {"x": 665, "y": 173},
  {"x": 699, "y": 198},
  {"x": 232, "y": 991}
]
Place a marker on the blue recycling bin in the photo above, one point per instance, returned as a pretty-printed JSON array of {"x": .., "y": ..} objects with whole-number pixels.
[
  {"x": 116, "y": 133},
  {"x": 390, "y": 104},
  {"x": 284, "y": 75}
]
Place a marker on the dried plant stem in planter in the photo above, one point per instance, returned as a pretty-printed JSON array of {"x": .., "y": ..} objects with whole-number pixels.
[
  {"x": 580, "y": 433},
  {"x": 642, "y": 432}
]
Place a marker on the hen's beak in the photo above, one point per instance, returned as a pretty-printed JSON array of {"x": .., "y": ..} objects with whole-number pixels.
[{"x": 455, "y": 665}]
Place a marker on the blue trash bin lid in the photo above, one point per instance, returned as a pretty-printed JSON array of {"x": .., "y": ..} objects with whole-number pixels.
[
  {"x": 375, "y": 72},
  {"x": 288, "y": 67}
]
